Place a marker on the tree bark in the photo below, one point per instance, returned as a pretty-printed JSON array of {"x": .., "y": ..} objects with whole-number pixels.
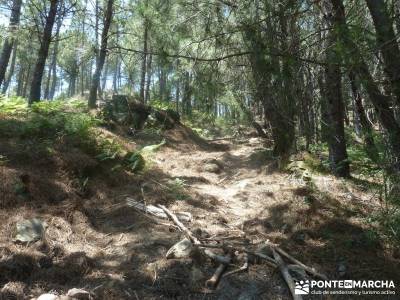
[
  {"x": 380, "y": 102},
  {"x": 278, "y": 107},
  {"x": 177, "y": 88},
  {"x": 12, "y": 68},
  {"x": 366, "y": 128},
  {"x": 162, "y": 83},
  {"x": 53, "y": 66},
  {"x": 144, "y": 63},
  {"x": 116, "y": 75},
  {"x": 334, "y": 100},
  {"x": 387, "y": 43},
  {"x": 102, "y": 55},
  {"x": 308, "y": 110},
  {"x": 53, "y": 85},
  {"x": 20, "y": 79},
  {"x": 187, "y": 95},
  {"x": 177, "y": 95},
  {"x": 83, "y": 65},
  {"x": 104, "y": 81},
  {"x": 96, "y": 28},
  {"x": 9, "y": 41},
  {"x": 148, "y": 81},
  {"x": 396, "y": 8},
  {"x": 36, "y": 84},
  {"x": 72, "y": 81},
  {"x": 48, "y": 82},
  {"x": 26, "y": 80}
]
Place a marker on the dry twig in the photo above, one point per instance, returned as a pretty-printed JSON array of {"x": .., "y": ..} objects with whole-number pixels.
[
  {"x": 214, "y": 280},
  {"x": 285, "y": 274}
]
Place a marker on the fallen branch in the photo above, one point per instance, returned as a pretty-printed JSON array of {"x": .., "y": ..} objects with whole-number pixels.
[
  {"x": 153, "y": 219},
  {"x": 221, "y": 139},
  {"x": 223, "y": 238},
  {"x": 182, "y": 249},
  {"x": 222, "y": 180},
  {"x": 224, "y": 261},
  {"x": 269, "y": 260},
  {"x": 214, "y": 280},
  {"x": 243, "y": 268},
  {"x": 187, "y": 232},
  {"x": 219, "y": 258},
  {"x": 299, "y": 271},
  {"x": 297, "y": 262},
  {"x": 285, "y": 274},
  {"x": 155, "y": 211}
]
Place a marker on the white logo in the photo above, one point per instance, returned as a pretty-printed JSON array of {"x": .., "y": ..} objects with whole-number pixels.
[
  {"x": 302, "y": 287},
  {"x": 348, "y": 284},
  {"x": 350, "y": 287}
]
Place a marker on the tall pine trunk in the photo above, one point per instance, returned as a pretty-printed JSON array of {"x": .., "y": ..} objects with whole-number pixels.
[
  {"x": 11, "y": 70},
  {"x": 36, "y": 84},
  {"x": 381, "y": 103},
  {"x": 104, "y": 81},
  {"x": 48, "y": 82},
  {"x": 366, "y": 128},
  {"x": 52, "y": 76},
  {"x": 162, "y": 83},
  {"x": 20, "y": 80},
  {"x": 102, "y": 55},
  {"x": 116, "y": 75},
  {"x": 333, "y": 98},
  {"x": 387, "y": 43},
  {"x": 278, "y": 108},
  {"x": 83, "y": 65},
  {"x": 144, "y": 62},
  {"x": 9, "y": 41},
  {"x": 25, "y": 82},
  {"x": 73, "y": 76},
  {"x": 187, "y": 95},
  {"x": 53, "y": 66},
  {"x": 148, "y": 81}
]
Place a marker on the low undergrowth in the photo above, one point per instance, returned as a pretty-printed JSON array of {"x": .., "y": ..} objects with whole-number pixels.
[
  {"x": 50, "y": 123},
  {"x": 367, "y": 175},
  {"x": 45, "y": 119}
]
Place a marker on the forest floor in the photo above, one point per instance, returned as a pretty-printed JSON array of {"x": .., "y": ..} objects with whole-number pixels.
[{"x": 232, "y": 188}]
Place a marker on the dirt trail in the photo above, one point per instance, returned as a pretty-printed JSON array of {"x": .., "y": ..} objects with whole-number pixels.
[
  {"x": 95, "y": 241},
  {"x": 238, "y": 190},
  {"x": 322, "y": 224}
]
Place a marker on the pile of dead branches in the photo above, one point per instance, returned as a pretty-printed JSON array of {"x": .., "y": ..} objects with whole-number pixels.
[{"x": 271, "y": 254}]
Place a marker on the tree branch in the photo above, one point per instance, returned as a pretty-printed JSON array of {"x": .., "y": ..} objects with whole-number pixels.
[{"x": 217, "y": 59}]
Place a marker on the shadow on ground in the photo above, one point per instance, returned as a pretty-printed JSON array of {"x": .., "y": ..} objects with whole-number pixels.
[{"x": 327, "y": 236}]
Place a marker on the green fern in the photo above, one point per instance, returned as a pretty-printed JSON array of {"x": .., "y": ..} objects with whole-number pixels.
[{"x": 136, "y": 162}]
